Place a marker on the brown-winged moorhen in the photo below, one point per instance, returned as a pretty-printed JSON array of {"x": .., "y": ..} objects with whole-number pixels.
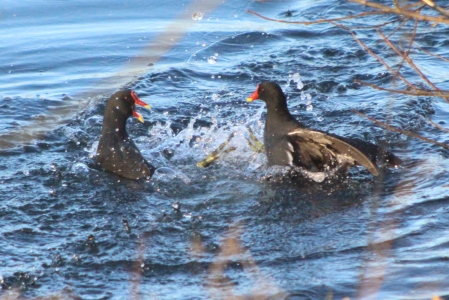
[
  {"x": 116, "y": 151},
  {"x": 290, "y": 143}
]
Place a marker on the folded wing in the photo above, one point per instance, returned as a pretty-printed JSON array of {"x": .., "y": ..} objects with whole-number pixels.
[{"x": 316, "y": 150}]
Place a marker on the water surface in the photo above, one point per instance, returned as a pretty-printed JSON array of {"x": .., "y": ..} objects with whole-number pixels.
[{"x": 222, "y": 231}]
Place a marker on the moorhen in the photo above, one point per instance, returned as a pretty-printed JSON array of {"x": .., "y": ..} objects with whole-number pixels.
[
  {"x": 290, "y": 143},
  {"x": 116, "y": 152}
]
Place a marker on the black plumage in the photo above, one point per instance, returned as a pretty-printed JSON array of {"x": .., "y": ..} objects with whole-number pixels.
[
  {"x": 289, "y": 142},
  {"x": 116, "y": 152}
]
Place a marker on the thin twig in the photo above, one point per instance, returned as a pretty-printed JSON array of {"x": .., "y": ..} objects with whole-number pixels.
[
  {"x": 405, "y": 21},
  {"x": 438, "y": 126},
  {"x": 439, "y": 9},
  {"x": 317, "y": 21},
  {"x": 412, "y": 39},
  {"x": 403, "y": 12},
  {"x": 432, "y": 54},
  {"x": 404, "y": 132},
  {"x": 415, "y": 92},
  {"x": 367, "y": 49},
  {"x": 410, "y": 62}
]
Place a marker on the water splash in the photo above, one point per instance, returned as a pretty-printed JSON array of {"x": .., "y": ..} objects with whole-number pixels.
[
  {"x": 177, "y": 154},
  {"x": 296, "y": 78}
]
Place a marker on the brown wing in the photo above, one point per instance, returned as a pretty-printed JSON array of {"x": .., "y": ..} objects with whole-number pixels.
[{"x": 318, "y": 146}]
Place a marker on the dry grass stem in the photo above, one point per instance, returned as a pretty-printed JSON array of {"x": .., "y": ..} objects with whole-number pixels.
[{"x": 220, "y": 286}]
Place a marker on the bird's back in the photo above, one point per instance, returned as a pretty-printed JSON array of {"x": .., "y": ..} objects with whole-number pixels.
[{"x": 122, "y": 157}]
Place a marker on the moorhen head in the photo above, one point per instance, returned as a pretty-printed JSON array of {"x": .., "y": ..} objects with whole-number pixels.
[{"x": 116, "y": 152}]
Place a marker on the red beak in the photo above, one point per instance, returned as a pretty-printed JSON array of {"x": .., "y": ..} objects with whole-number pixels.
[
  {"x": 254, "y": 96},
  {"x": 138, "y": 102}
]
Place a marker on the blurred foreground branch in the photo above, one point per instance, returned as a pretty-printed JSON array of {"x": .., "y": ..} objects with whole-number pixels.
[{"x": 420, "y": 12}]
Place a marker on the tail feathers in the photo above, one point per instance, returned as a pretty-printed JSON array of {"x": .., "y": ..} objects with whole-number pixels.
[{"x": 377, "y": 154}]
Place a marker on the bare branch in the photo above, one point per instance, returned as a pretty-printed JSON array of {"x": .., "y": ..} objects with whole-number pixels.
[
  {"x": 405, "y": 132},
  {"x": 438, "y": 126},
  {"x": 409, "y": 61},
  {"x": 317, "y": 21},
  {"x": 403, "y": 12},
  {"x": 415, "y": 92}
]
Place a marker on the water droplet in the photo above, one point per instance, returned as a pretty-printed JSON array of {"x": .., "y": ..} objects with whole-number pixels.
[
  {"x": 296, "y": 77},
  {"x": 213, "y": 59},
  {"x": 309, "y": 107},
  {"x": 198, "y": 16}
]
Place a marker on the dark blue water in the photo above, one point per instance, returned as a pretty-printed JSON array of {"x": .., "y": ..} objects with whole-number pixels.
[{"x": 68, "y": 230}]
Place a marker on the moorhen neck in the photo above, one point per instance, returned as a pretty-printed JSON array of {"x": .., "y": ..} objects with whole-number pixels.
[
  {"x": 288, "y": 142},
  {"x": 116, "y": 151}
]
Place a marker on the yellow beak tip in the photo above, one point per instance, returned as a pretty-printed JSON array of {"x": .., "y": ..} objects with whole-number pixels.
[{"x": 249, "y": 99}]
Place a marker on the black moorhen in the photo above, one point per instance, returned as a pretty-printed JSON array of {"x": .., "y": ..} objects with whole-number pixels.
[
  {"x": 288, "y": 142},
  {"x": 116, "y": 151}
]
